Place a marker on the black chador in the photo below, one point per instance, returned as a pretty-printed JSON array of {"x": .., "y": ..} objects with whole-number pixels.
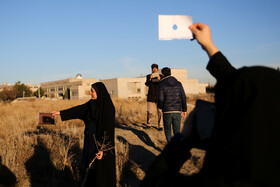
[{"x": 99, "y": 117}]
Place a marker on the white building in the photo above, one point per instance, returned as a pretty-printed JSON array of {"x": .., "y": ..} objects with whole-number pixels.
[
  {"x": 191, "y": 86},
  {"x": 32, "y": 87},
  {"x": 5, "y": 86},
  {"x": 75, "y": 88},
  {"x": 126, "y": 87},
  {"x": 136, "y": 88},
  {"x": 79, "y": 87}
]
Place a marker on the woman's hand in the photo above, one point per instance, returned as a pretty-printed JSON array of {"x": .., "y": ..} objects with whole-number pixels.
[
  {"x": 55, "y": 113},
  {"x": 99, "y": 155},
  {"x": 202, "y": 34}
]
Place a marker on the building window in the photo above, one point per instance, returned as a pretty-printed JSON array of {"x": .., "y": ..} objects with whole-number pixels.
[
  {"x": 75, "y": 93},
  {"x": 52, "y": 89},
  {"x": 60, "y": 89}
]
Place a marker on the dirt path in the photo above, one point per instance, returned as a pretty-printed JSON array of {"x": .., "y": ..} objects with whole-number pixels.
[{"x": 144, "y": 146}]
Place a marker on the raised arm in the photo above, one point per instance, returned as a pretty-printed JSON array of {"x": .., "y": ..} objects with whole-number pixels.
[{"x": 218, "y": 65}]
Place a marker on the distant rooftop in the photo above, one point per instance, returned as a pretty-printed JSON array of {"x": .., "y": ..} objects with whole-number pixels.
[{"x": 79, "y": 76}]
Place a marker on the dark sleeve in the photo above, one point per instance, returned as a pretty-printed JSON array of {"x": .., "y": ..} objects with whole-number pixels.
[
  {"x": 148, "y": 82},
  {"x": 183, "y": 99},
  {"x": 160, "y": 96},
  {"x": 219, "y": 66},
  {"x": 77, "y": 112},
  {"x": 167, "y": 165}
]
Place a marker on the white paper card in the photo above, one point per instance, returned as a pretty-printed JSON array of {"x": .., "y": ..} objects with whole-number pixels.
[{"x": 172, "y": 27}]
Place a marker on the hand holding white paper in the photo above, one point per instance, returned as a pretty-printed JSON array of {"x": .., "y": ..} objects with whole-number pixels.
[{"x": 172, "y": 27}]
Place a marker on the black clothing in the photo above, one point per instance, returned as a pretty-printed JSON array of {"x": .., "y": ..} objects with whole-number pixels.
[
  {"x": 247, "y": 126},
  {"x": 99, "y": 118},
  {"x": 171, "y": 95},
  {"x": 153, "y": 89},
  {"x": 243, "y": 148}
]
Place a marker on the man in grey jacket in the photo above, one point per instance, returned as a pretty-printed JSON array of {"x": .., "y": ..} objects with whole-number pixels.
[{"x": 172, "y": 100}]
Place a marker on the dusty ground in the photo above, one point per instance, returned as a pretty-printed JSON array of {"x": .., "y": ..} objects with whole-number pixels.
[{"x": 144, "y": 146}]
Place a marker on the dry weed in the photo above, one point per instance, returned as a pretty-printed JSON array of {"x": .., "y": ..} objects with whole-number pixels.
[
  {"x": 25, "y": 146},
  {"x": 122, "y": 157}
]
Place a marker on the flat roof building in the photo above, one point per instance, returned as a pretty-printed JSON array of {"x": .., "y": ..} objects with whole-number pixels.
[
  {"x": 136, "y": 88},
  {"x": 32, "y": 87},
  {"x": 5, "y": 86},
  {"x": 79, "y": 87},
  {"x": 191, "y": 86},
  {"x": 126, "y": 87},
  {"x": 73, "y": 88}
]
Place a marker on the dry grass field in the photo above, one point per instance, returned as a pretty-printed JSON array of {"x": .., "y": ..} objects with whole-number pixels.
[{"x": 51, "y": 155}]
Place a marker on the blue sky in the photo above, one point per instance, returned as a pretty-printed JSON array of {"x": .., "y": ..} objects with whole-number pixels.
[{"x": 46, "y": 40}]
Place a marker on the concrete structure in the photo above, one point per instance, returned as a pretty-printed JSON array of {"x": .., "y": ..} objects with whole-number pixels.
[
  {"x": 76, "y": 88},
  {"x": 126, "y": 87},
  {"x": 79, "y": 88},
  {"x": 191, "y": 86},
  {"x": 32, "y": 87},
  {"x": 136, "y": 88},
  {"x": 5, "y": 86}
]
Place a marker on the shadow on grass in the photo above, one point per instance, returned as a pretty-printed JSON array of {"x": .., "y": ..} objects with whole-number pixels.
[
  {"x": 41, "y": 169},
  {"x": 139, "y": 157},
  {"x": 142, "y": 135},
  {"x": 7, "y": 177}
]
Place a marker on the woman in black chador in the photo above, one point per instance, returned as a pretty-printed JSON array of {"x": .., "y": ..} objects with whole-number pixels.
[{"x": 98, "y": 115}]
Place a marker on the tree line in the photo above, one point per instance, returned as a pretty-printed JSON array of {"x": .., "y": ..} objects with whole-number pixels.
[{"x": 17, "y": 91}]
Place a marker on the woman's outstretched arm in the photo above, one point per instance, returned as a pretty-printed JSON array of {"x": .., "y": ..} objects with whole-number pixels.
[{"x": 76, "y": 112}]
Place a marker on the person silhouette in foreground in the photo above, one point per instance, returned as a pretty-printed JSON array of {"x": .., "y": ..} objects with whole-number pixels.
[
  {"x": 98, "y": 115},
  {"x": 7, "y": 177},
  {"x": 242, "y": 148}
]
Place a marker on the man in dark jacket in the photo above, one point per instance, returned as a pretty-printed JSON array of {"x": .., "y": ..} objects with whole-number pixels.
[
  {"x": 152, "y": 81},
  {"x": 172, "y": 100}
]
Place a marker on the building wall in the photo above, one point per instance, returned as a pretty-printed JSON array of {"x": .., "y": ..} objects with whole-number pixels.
[
  {"x": 112, "y": 86},
  {"x": 202, "y": 87},
  {"x": 131, "y": 87},
  {"x": 179, "y": 74},
  {"x": 5, "y": 86},
  {"x": 33, "y": 87},
  {"x": 191, "y": 86},
  {"x": 117, "y": 87},
  {"x": 126, "y": 87},
  {"x": 79, "y": 88}
]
